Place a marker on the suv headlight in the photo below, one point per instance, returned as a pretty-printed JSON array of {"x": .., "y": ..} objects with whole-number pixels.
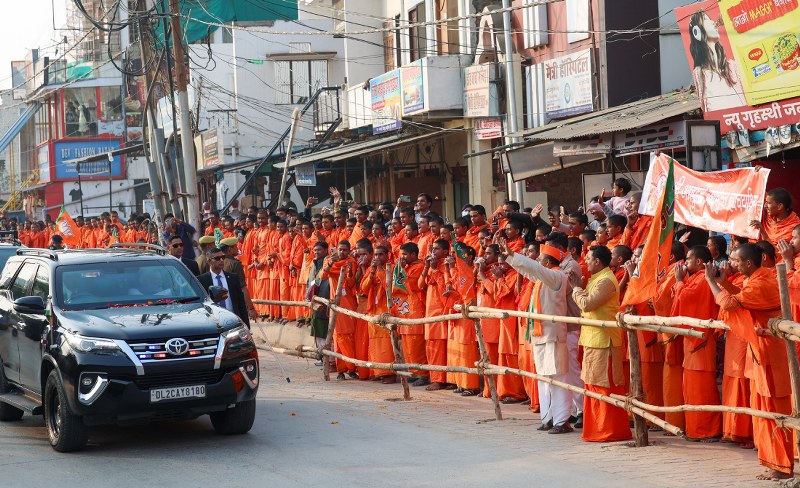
[
  {"x": 95, "y": 345},
  {"x": 238, "y": 335}
]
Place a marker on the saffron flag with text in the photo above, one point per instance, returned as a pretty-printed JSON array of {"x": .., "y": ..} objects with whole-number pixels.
[{"x": 654, "y": 262}]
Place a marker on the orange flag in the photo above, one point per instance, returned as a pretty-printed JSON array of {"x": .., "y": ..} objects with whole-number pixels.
[
  {"x": 654, "y": 263},
  {"x": 67, "y": 229}
]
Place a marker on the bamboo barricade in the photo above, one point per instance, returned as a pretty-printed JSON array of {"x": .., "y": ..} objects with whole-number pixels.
[{"x": 779, "y": 327}]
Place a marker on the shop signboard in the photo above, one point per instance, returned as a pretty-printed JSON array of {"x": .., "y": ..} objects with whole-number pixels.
[
  {"x": 568, "y": 85},
  {"x": 650, "y": 138},
  {"x": 579, "y": 147},
  {"x": 488, "y": 128},
  {"x": 212, "y": 147},
  {"x": 43, "y": 162},
  {"x": 305, "y": 175},
  {"x": 71, "y": 150},
  {"x": 386, "y": 106},
  {"x": 476, "y": 90},
  {"x": 755, "y": 81},
  {"x": 411, "y": 79}
]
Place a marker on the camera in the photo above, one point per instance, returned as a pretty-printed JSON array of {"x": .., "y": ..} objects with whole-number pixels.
[{"x": 405, "y": 198}]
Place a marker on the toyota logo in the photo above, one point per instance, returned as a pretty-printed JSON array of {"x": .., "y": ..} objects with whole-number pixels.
[{"x": 177, "y": 346}]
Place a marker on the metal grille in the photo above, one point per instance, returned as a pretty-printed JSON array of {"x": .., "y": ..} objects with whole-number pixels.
[{"x": 154, "y": 350}]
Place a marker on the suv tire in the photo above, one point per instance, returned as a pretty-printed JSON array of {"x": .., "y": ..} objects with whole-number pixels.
[
  {"x": 7, "y": 412},
  {"x": 65, "y": 430},
  {"x": 236, "y": 420}
]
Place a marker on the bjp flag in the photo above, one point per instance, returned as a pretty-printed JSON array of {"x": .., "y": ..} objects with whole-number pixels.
[
  {"x": 67, "y": 229},
  {"x": 657, "y": 248}
]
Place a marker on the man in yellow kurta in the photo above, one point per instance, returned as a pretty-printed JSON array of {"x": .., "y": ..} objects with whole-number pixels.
[{"x": 602, "y": 351}]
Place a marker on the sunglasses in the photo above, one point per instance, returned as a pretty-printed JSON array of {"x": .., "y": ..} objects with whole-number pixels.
[
  {"x": 217, "y": 258},
  {"x": 175, "y": 246}
]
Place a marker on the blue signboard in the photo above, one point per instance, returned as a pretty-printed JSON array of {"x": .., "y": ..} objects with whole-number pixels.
[{"x": 70, "y": 150}]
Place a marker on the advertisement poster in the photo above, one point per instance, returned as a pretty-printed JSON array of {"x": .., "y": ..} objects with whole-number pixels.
[
  {"x": 568, "y": 85},
  {"x": 212, "y": 147},
  {"x": 720, "y": 201},
  {"x": 740, "y": 52},
  {"x": 413, "y": 88},
  {"x": 385, "y": 93},
  {"x": 70, "y": 150}
]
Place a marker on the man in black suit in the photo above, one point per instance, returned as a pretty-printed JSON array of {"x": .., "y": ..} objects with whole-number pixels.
[
  {"x": 218, "y": 277},
  {"x": 175, "y": 249}
]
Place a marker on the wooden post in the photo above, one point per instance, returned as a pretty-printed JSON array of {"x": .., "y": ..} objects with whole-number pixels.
[
  {"x": 332, "y": 323},
  {"x": 485, "y": 358},
  {"x": 637, "y": 390},
  {"x": 399, "y": 357},
  {"x": 791, "y": 350}
]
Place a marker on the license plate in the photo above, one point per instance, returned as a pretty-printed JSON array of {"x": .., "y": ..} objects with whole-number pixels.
[{"x": 177, "y": 393}]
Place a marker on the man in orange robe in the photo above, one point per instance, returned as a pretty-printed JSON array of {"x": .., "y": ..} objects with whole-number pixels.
[
  {"x": 363, "y": 255},
  {"x": 373, "y": 284},
  {"x": 751, "y": 307},
  {"x": 514, "y": 238},
  {"x": 736, "y": 427},
  {"x": 426, "y": 238},
  {"x": 615, "y": 226},
  {"x": 411, "y": 305},
  {"x": 477, "y": 215},
  {"x": 462, "y": 343},
  {"x": 509, "y": 387},
  {"x": 638, "y": 225},
  {"x": 259, "y": 260},
  {"x": 486, "y": 298},
  {"x": 282, "y": 262},
  {"x": 672, "y": 344},
  {"x": 274, "y": 283},
  {"x": 433, "y": 282},
  {"x": 297, "y": 256},
  {"x": 790, "y": 254},
  {"x": 692, "y": 298},
  {"x": 779, "y": 219},
  {"x": 341, "y": 266}
]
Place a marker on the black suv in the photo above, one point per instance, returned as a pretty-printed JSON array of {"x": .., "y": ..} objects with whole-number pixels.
[{"x": 118, "y": 336}]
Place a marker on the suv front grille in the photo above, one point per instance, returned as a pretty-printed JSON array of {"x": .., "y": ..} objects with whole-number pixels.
[
  {"x": 178, "y": 379},
  {"x": 155, "y": 350}
]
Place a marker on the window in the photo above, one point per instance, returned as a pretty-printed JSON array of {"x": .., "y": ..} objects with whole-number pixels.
[
  {"x": 577, "y": 20},
  {"x": 80, "y": 112},
  {"x": 8, "y": 274},
  {"x": 41, "y": 123},
  {"x": 23, "y": 281},
  {"x": 296, "y": 81},
  {"x": 416, "y": 35},
  {"x": 534, "y": 19},
  {"x": 41, "y": 284}
]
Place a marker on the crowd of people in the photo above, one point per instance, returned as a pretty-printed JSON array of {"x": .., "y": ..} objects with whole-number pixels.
[{"x": 405, "y": 260}]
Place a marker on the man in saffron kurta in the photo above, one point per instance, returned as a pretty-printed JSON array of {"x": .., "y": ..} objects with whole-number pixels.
[
  {"x": 692, "y": 298},
  {"x": 486, "y": 298},
  {"x": 432, "y": 281},
  {"x": 509, "y": 387},
  {"x": 462, "y": 342},
  {"x": 779, "y": 219},
  {"x": 749, "y": 308},
  {"x": 736, "y": 427},
  {"x": 602, "y": 351},
  {"x": 411, "y": 305},
  {"x": 672, "y": 344},
  {"x": 373, "y": 285},
  {"x": 341, "y": 266}
]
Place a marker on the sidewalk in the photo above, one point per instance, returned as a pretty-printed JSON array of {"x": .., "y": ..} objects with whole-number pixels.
[{"x": 668, "y": 462}]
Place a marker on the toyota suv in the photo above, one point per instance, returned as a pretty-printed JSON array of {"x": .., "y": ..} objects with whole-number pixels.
[{"x": 118, "y": 336}]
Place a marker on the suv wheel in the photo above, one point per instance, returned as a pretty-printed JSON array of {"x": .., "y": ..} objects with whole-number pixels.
[
  {"x": 65, "y": 429},
  {"x": 7, "y": 412},
  {"x": 236, "y": 420}
]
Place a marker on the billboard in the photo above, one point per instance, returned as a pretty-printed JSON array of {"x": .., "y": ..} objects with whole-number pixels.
[
  {"x": 70, "y": 150},
  {"x": 413, "y": 88},
  {"x": 745, "y": 61},
  {"x": 385, "y": 93},
  {"x": 568, "y": 85}
]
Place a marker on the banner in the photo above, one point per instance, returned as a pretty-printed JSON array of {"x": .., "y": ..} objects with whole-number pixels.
[
  {"x": 385, "y": 93},
  {"x": 720, "y": 201},
  {"x": 413, "y": 88},
  {"x": 745, "y": 60},
  {"x": 568, "y": 85}
]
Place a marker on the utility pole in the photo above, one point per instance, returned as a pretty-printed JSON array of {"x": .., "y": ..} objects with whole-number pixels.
[
  {"x": 187, "y": 142},
  {"x": 295, "y": 123},
  {"x": 511, "y": 97}
]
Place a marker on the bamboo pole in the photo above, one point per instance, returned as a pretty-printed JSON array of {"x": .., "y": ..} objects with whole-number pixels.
[
  {"x": 791, "y": 350},
  {"x": 332, "y": 322},
  {"x": 486, "y": 377},
  {"x": 397, "y": 348},
  {"x": 637, "y": 390},
  {"x": 474, "y": 311}
]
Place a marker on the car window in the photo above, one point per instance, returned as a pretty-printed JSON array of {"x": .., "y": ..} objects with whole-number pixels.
[
  {"x": 120, "y": 284},
  {"x": 41, "y": 284},
  {"x": 22, "y": 283},
  {"x": 5, "y": 253},
  {"x": 8, "y": 274}
]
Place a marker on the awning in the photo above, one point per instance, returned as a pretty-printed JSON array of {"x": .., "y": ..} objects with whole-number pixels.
[
  {"x": 18, "y": 124},
  {"x": 347, "y": 151},
  {"x": 539, "y": 159},
  {"x": 624, "y": 117}
]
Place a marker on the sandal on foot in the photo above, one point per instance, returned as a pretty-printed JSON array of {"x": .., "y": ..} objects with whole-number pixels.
[
  {"x": 545, "y": 426},
  {"x": 434, "y": 386},
  {"x": 469, "y": 393},
  {"x": 561, "y": 429}
]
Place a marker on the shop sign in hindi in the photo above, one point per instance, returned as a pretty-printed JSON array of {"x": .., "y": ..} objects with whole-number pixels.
[
  {"x": 488, "y": 128},
  {"x": 720, "y": 201},
  {"x": 385, "y": 94},
  {"x": 411, "y": 80},
  {"x": 476, "y": 90},
  {"x": 305, "y": 175},
  {"x": 568, "y": 85}
]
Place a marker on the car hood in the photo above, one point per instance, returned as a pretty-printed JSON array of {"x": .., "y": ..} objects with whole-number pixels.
[{"x": 127, "y": 323}]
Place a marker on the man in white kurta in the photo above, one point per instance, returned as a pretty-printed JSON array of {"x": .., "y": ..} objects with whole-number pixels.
[{"x": 549, "y": 339}]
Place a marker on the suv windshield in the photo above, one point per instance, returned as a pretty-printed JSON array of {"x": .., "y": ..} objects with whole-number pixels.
[{"x": 125, "y": 284}]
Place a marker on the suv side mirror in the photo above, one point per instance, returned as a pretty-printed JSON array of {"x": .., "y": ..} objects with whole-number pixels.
[{"x": 32, "y": 304}]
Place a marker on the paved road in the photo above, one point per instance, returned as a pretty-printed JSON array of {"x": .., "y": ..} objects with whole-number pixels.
[{"x": 356, "y": 433}]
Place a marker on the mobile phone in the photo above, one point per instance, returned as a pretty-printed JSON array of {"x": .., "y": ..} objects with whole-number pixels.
[
  {"x": 313, "y": 200},
  {"x": 405, "y": 198}
]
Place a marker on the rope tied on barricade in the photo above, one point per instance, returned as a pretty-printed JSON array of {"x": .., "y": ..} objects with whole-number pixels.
[{"x": 621, "y": 321}]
